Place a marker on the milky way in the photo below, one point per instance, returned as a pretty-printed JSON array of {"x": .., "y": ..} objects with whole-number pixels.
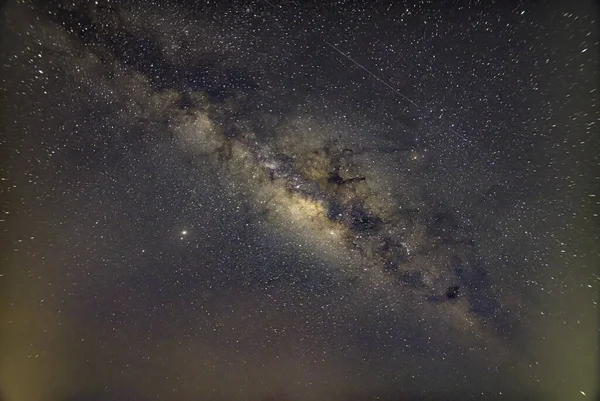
[
  {"x": 320, "y": 190},
  {"x": 286, "y": 201}
]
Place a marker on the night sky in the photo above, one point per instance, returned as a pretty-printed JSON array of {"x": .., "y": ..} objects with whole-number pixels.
[{"x": 283, "y": 200}]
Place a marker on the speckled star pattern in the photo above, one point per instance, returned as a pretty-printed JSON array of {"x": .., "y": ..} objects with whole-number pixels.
[{"x": 299, "y": 201}]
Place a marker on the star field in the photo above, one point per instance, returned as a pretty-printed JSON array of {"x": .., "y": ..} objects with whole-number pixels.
[{"x": 266, "y": 200}]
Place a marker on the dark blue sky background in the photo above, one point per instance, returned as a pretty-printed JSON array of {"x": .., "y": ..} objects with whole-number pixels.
[{"x": 299, "y": 201}]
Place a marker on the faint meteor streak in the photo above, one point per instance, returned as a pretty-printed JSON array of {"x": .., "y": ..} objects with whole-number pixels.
[
  {"x": 452, "y": 131},
  {"x": 399, "y": 93},
  {"x": 271, "y": 4},
  {"x": 370, "y": 73},
  {"x": 484, "y": 153}
]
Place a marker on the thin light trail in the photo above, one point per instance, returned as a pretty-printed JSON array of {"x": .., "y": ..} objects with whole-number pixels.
[
  {"x": 271, "y": 4},
  {"x": 399, "y": 93},
  {"x": 452, "y": 131},
  {"x": 370, "y": 73},
  {"x": 484, "y": 153}
]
